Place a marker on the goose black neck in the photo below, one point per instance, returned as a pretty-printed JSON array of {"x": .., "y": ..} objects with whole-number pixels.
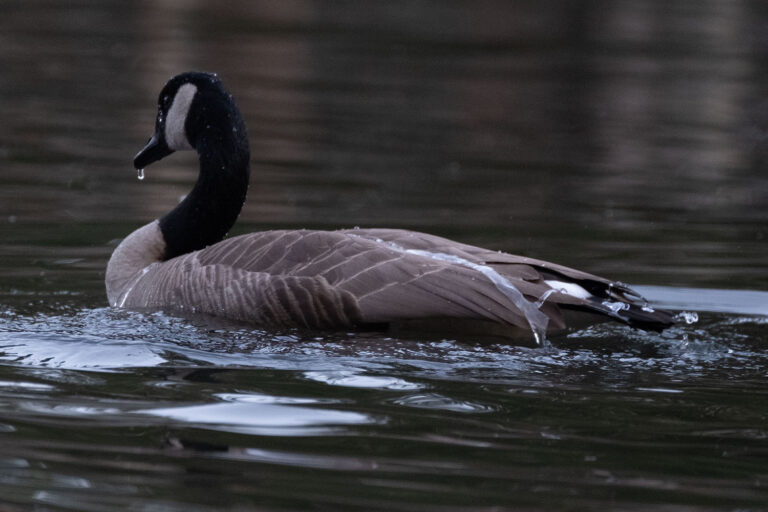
[{"x": 208, "y": 212}]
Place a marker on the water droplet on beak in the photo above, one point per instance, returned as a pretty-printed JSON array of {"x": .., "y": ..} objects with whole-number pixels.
[{"x": 140, "y": 174}]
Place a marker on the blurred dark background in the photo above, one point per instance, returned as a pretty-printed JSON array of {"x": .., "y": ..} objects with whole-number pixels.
[{"x": 626, "y": 138}]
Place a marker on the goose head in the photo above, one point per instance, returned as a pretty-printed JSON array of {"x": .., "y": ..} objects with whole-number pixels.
[{"x": 194, "y": 112}]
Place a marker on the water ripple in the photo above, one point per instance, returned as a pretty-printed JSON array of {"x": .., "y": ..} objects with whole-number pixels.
[{"x": 261, "y": 418}]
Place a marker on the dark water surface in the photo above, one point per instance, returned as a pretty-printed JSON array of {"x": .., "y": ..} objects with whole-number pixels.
[{"x": 629, "y": 139}]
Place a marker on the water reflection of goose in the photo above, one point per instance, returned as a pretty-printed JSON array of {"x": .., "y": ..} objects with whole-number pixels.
[{"x": 358, "y": 278}]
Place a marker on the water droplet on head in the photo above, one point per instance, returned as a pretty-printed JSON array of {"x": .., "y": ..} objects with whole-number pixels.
[{"x": 140, "y": 174}]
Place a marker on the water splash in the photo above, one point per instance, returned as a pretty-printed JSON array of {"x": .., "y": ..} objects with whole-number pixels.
[
  {"x": 616, "y": 306},
  {"x": 687, "y": 317},
  {"x": 545, "y": 296}
]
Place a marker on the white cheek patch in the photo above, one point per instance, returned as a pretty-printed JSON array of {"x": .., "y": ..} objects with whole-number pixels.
[{"x": 175, "y": 135}]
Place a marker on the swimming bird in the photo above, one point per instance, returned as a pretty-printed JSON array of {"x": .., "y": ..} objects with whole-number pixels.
[{"x": 346, "y": 279}]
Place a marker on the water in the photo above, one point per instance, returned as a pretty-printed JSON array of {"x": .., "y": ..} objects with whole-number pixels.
[{"x": 623, "y": 138}]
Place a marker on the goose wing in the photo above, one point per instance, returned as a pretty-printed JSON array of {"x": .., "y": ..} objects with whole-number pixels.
[
  {"x": 544, "y": 282},
  {"x": 354, "y": 277},
  {"x": 382, "y": 279}
]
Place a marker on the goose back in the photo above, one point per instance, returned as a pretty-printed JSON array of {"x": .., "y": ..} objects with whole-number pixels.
[{"x": 354, "y": 278}]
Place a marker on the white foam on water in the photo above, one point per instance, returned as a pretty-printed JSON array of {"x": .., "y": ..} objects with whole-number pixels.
[{"x": 687, "y": 317}]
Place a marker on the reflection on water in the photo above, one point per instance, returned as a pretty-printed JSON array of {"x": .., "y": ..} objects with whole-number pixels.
[
  {"x": 624, "y": 138},
  {"x": 259, "y": 418},
  {"x": 385, "y": 422},
  {"x": 749, "y": 302}
]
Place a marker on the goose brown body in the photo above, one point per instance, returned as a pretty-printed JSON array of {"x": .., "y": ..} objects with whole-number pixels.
[{"x": 334, "y": 279}]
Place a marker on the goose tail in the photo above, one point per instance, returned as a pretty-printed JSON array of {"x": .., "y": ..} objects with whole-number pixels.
[{"x": 612, "y": 299}]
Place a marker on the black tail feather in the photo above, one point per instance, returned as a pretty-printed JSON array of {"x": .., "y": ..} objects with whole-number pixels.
[
  {"x": 644, "y": 317},
  {"x": 620, "y": 302}
]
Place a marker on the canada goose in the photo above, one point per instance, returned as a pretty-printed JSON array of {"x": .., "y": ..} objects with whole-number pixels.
[{"x": 356, "y": 278}]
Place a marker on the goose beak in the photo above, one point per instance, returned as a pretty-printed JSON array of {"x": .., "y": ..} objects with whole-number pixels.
[{"x": 155, "y": 150}]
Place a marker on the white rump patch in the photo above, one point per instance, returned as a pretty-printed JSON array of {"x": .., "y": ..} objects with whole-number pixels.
[
  {"x": 572, "y": 289},
  {"x": 175, "y": 135}
]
